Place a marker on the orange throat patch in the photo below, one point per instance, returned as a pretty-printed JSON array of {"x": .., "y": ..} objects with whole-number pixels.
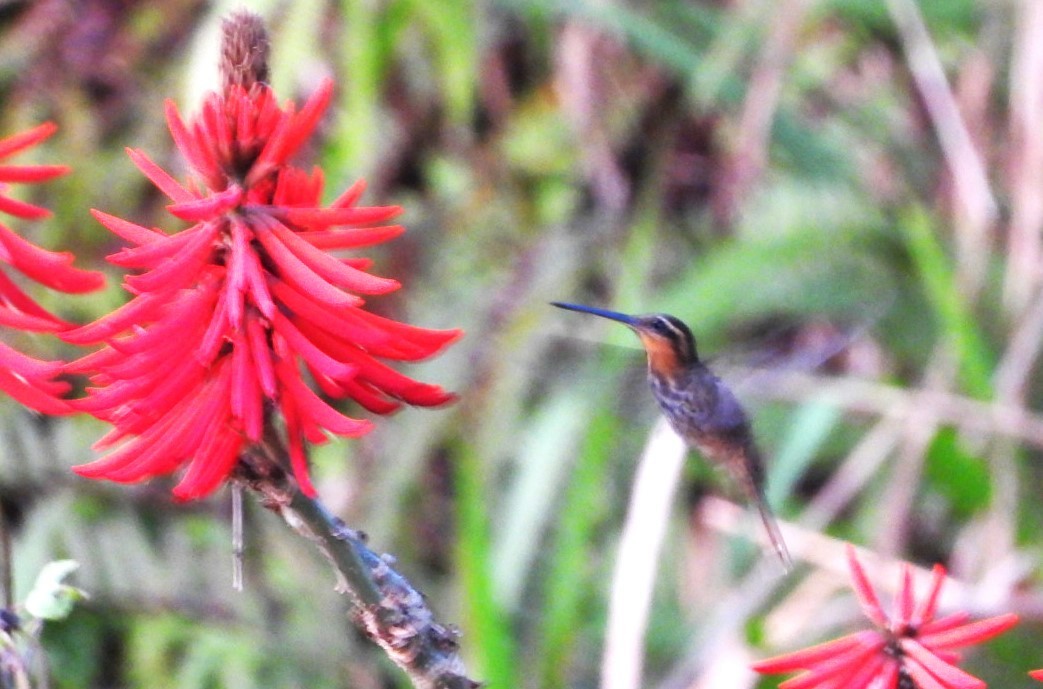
[{"x": 662, "y": 357}]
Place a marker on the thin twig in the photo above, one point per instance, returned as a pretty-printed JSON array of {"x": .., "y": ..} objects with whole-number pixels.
[
  {"x": 920, "y": 427},
  {"x": 237, "y": 537},
  {"x": 752, "y": 135},
  {"x": 1024, "y": 249},
  {"x": 1015, "y": 368},
  {"x": 965, "y": 164},
  {"x": 867, "y": 396}
]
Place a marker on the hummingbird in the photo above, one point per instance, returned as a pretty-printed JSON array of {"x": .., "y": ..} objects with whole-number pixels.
[{"x": 699, "y": 406}]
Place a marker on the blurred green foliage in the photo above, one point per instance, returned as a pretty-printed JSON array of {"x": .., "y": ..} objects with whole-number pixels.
[{"x": 600, "y": 152}]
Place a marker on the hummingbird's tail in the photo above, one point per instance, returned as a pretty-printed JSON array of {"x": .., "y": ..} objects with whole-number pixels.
[
  {"x": 771, "y": 525},
  {"x": 748, "y": 468}
]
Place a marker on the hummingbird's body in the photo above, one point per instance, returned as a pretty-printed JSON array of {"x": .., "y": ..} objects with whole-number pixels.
[{"x": 701, "y": 408}]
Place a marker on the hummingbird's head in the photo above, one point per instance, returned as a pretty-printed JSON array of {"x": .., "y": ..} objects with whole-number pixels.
[{"x": 668, "y": 342}]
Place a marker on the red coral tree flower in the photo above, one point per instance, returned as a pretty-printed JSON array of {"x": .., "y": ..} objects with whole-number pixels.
[
  {"x": 911, "y": 648},
  {"x": 28, "y": 380},
  {"x": 230, "y": 312}
]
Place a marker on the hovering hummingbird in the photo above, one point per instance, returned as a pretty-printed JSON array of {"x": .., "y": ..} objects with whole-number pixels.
[{"x": 703, "y": 411}]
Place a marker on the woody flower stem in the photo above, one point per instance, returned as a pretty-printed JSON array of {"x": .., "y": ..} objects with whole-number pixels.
[{"x": 388, "y": 608}]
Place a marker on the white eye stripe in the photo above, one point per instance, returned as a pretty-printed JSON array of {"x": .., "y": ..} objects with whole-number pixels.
[{"x": 677, "y": 332}]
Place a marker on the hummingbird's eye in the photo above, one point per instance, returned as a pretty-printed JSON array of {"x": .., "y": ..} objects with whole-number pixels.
[{"x": 663, "y": 327}]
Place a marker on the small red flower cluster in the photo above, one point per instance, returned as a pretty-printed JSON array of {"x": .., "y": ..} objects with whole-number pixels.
[
  {"x": 28, "y": 380},
  {"x": 228, "y": 312},
  {"x": 912, "y": 648}
]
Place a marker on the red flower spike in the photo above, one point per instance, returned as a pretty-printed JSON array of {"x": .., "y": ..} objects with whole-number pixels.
[
  {"x": 240, "y": 317},
  {"x": 911, "y": 647},
  {"x": 30, "y": 381}
]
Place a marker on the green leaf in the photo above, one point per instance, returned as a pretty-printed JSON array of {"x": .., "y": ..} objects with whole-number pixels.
[
  {"x": 810, "y": 427},
  {"x": 963, "y": 478},
  {"x": 962, "y": 330},
  {"x": 485, "y": 621},
  {"x": 570, "y": 579}
]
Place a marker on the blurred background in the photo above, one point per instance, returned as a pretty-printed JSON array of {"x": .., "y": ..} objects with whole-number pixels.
[{"x": 844, "y": 195}]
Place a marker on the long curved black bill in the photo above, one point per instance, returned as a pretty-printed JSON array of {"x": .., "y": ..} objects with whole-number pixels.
[{"x": 593, "y": 310}]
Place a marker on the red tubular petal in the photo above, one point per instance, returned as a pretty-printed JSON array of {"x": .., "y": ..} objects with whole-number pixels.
[
  {"x": 184, "y": 267},
  {"x": 257, "y": 284},
  {"x": 945, "y": 623},
  {"x": 23, "y": 321},
  {"x": 131, "y": 232},
  {"x": 18, "y": 142},
  {"x": 247, "y": 400},
  {"x": 308, "y": 118},
  {"x": 217, "y": 333},
  {"x": 14, "y": 174},
  {"x": 972, "y": 633},
  {"x": 212, "y": 172},
  {"x": 329, "y": 267},
  {"x": 186, "y": 317},
  {"x": 115, "y": 394},
  {"x": 49, "y": 268},
  {"x": 922, "y": 678},
  {"x": 358, "y": 263},
  {"x": 834, "y": 670},
  {"x": 151, "y": 255},
  {"x": 165, "y": 444},
  {"x": 158, "y": 451},
  {"x": 93, "y": 361},
  {"x": 240, "y": 381},
  {"x": 218, "y": 464},
  {"x": 927, "y": 608},
  {"x": 381, "y": 376},
  {"x": 188, "y": 144},
  {"x": 307, "y": 350},
  {"x": 351, "y": 238},
  {"x": 209, "y": 207},
  {"x": 866, "y": 595},
  {"x": 869, "y": 672},
  {"x": 21, "y": 209},
  {"x": 13, "y": 295},
  {"x": 948, "y": 675},
  {"x": 291, "y": 132},
  {"x": 330, "y": 321},
  {"x": 310, "y": 404},
  {"x": 809, "y": 657},
  {"x": 167, "y": 385},
  {"x": 218, "y": 133},
  {"x": 118, "y": 459},
  {"x": 29, "y": 394},
  {"x": 432, "y": 341},
  {"x": 888, "y": 677},
  {"x": 213, "y": 458},
  {"x": 302, "y": 277},
  {"x": 267, "y": 161},
  {"x": 298, "y": 458},
  {"x": 261, "y": 353},
  {"x": 139, "y": 310},
  {"x": 904, "y": 601},
  {"x": 24, "y": 365},
  {"x": 369, "y": 397},
  {"x": 319, "y": 218},
  {"x": 1036, "y": 674},
  {"x": 351, "y": 195},
  {"x": 145, "y": 364},
  {"x": 158, "y": 176}
]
